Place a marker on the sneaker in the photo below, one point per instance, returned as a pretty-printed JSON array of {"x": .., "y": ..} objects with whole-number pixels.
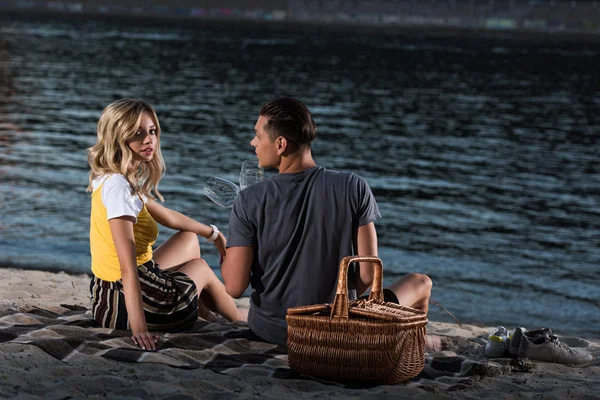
[
  {"x": 549, "y": 348},
  {"x": 515, "y": 338},
  {"x": 497, "y": 343}
]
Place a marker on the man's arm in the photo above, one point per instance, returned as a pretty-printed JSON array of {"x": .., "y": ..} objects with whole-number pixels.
[
  {"x": 367, "y": 246},
  {"x": 235, "y": 269}
]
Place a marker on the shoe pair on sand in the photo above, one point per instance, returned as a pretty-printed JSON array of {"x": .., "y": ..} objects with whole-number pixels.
[{"x": 543, "y": 345}]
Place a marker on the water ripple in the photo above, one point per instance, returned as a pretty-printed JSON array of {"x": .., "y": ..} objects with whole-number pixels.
[{"x": 482, "y": 153}]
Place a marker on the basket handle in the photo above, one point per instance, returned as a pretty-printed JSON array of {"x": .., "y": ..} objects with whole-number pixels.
[{"x": 340, "y": 308}]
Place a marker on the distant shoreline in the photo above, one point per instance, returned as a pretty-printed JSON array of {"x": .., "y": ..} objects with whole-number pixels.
[{"x": 330, "y": 26}]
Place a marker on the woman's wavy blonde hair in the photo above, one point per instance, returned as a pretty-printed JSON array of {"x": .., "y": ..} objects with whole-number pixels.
[{"x": 111, "y": 155}]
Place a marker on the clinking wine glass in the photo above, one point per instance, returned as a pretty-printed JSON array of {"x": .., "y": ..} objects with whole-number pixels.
[
  {"x": 221, "y": 191},
  {"x": 250, "y": 173}
]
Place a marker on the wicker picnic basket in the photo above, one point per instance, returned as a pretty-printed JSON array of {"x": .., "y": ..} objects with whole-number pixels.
[{"x": 370, "y": 341}]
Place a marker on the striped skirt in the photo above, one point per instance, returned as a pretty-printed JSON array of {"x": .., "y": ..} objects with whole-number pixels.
[{"x": 170, "y": 300}]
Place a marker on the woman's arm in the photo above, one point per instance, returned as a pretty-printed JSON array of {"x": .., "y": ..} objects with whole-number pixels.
[
  {"x": 176, "y": 220},
  {"x": 122, "y": 232}
]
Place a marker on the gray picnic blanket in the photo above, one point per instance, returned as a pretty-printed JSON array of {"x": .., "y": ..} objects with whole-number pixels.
[{"x": 220, "y": 346}]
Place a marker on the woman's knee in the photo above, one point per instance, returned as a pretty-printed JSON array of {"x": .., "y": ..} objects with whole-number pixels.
[{"x": 191, "y": 241}]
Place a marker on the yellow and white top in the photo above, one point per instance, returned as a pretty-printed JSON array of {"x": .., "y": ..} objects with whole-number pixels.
[{"x": 112, "y": 198}]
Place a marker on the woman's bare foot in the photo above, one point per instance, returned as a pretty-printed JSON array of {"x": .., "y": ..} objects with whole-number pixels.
[{"x": 243, "y": 313}]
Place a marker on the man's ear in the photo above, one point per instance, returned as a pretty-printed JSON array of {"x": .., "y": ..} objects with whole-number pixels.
[{"x": 282, "y": 145}]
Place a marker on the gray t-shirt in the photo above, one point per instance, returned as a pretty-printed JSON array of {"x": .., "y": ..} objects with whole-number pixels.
[{"x": 301, "y": 225}]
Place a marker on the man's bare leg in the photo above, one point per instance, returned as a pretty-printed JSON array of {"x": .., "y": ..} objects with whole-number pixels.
[{"x": 413, "y": 290}]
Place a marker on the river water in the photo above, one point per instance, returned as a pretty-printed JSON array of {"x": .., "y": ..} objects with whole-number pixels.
[{"x": 482, "y": 152}]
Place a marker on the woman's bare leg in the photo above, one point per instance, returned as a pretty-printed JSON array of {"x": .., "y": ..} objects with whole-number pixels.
[
  {"x": 179, "y": 249},
  {"x": 181, "y": 252},
  {"x": 211, "y": 290}
]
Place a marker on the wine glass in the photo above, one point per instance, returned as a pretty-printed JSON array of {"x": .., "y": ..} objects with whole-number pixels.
[
  {"x": 250, "y": 173},
  {"x": 221, "y": 191}
]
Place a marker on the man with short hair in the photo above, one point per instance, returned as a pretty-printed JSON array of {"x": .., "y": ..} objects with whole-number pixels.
[{"x": 288, "y": 233}]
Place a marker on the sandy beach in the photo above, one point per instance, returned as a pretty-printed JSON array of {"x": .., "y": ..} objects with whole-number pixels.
[{"x": 50, "y": 348}]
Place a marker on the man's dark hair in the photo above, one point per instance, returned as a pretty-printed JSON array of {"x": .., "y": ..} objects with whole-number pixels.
[{"x": 291, "y": 119}]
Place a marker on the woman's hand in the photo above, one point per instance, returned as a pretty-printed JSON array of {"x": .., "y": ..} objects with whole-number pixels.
[
  {"x": 146, "y": 340},
  {"x": 221, "y": 244}
]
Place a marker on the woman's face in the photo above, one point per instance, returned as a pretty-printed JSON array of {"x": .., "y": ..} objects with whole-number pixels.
[{"x": 143, "y": 144}]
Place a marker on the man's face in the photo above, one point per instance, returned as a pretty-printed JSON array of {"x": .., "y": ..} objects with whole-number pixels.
[{"x": 264, "y": 148}]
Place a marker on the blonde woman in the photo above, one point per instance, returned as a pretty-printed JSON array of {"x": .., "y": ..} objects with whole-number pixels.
[{"x": 135, "y": 287}]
